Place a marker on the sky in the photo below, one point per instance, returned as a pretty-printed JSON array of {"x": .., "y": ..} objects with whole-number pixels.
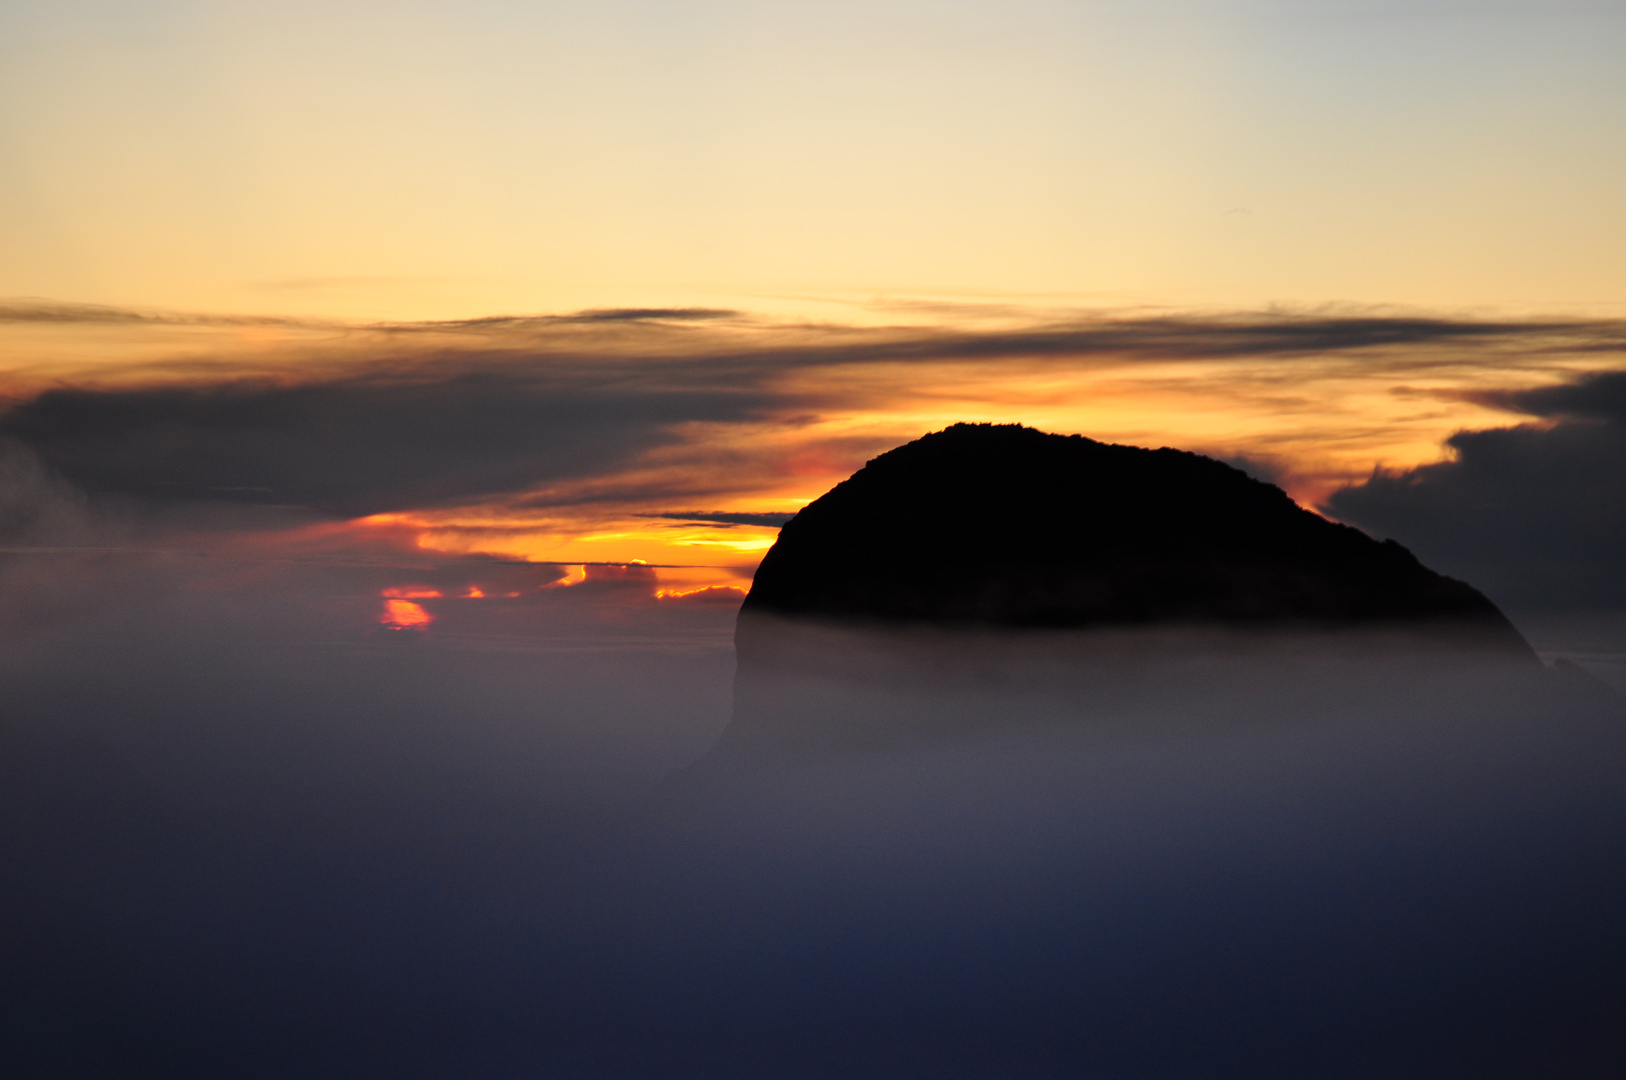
[
  {"x": 429, "y": 160},
  {"x": 808, "y": 203}
]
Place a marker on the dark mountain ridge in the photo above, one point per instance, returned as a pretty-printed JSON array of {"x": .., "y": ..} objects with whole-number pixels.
[{"x": 1004, "y": 525}]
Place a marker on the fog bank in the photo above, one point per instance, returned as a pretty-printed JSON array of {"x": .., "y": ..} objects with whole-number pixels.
[{"x": 247, "y": 834}]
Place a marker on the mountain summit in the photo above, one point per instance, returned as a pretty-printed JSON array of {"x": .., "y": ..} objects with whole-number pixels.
[{"x": 1003, "y": 525}]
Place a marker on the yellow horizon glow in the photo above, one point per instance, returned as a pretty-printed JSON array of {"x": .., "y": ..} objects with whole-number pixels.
[{"x": 375, "y": 161}]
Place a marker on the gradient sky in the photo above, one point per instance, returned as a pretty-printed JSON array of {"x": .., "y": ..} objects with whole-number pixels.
[
  {"x": 433, "y": 160},
  {"x": 1315, "y": 238}
]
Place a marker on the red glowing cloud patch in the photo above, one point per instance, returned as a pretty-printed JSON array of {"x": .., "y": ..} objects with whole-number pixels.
[{"x": 405, "y": 615}]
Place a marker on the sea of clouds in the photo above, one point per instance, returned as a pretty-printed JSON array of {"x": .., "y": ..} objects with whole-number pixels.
[{"x": 250, "y": 830}]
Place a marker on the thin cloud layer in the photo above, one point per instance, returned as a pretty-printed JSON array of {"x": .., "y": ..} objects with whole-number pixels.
[
  {"x": 725, "y": 518},
  {"x": 1534, "y": 513},
  {"x": 596, "y": 425},
  {"x": 49, "y": 311},
  {"x": 1601, "y": 396},
  {"x": 488, "y": 389},
  {"x": 361, "y": 444}
]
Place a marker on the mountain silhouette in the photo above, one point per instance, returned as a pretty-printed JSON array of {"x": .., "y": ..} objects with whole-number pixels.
[{"x": 1004, "y": 525}]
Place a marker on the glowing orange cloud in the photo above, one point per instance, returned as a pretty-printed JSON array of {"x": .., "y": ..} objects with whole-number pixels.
[
  {"x": 412, "y": 592},
  {"x": 718, "y": 594},
  {"x": 405, "y": 615},
  {"x": 574, "y": 575}
]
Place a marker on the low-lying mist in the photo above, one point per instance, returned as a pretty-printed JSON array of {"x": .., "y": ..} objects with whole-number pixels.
[{"x": 250, "y": 833}]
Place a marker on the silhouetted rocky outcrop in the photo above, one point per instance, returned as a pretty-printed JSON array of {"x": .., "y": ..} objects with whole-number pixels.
[
  {"x": 1007, "y": 526},
  {"x": 987, "y": 576}
]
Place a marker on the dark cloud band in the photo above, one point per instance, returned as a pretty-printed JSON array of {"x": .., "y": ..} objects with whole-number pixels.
[
  {"x": 403, "y": 416},
  {"x": 718, "y": 517},
  {"x": 1535, "y": 513},
  {"x": 358, "y": 445}
]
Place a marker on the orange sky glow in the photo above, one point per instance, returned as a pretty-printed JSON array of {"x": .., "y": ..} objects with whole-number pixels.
[
  {"x": 828, "y": 397},
  {"x": 730, "y": 257}
]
